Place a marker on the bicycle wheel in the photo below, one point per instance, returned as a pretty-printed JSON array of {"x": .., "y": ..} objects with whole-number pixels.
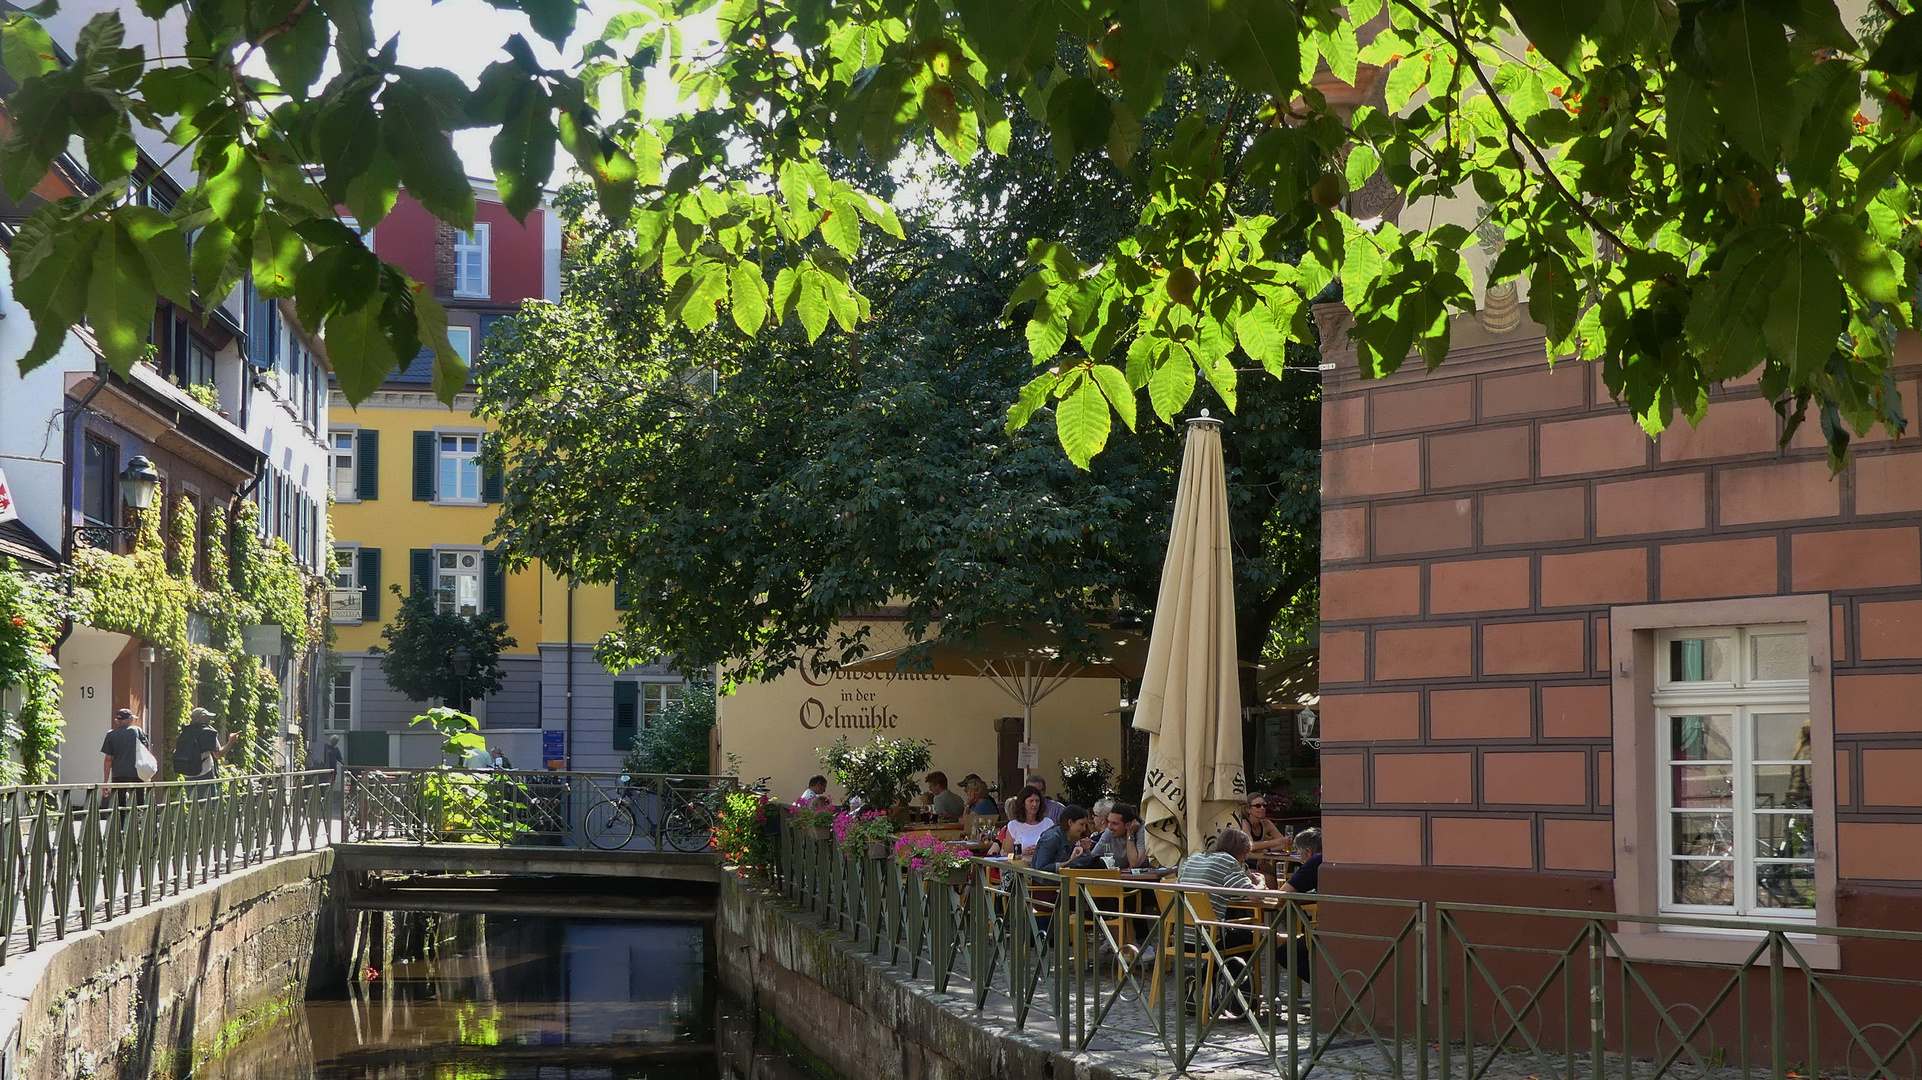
[
  {"x": 609, "y": 824},
  {"x": 689, "y": 827}
]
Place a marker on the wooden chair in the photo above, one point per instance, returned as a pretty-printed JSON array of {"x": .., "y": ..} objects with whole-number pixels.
[
  {"x": 1205, "y": 921},
  {"x": 1072, "y": 880}
]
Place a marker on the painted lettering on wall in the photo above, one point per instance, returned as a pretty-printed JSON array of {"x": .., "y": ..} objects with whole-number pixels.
[
  {"x": 815, "y": 715},
  {"x": 812, "y": 678}
]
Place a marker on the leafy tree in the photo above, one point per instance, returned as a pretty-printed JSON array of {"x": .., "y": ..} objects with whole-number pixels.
[
  {"x": 749, "y": 493},
  {"x": 418, "y": 658},
  {"x": 1694, "y": 191},
  {"x": 676, "y": 741}
]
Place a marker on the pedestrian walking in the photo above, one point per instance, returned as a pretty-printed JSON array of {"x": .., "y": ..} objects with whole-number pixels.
[
  {"x": 199, "y": 748},
  {"x": 332, "y": 758},
  {"x": 127, "y": 758}
]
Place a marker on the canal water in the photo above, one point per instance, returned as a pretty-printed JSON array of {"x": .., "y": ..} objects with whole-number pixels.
[{"x": 490, "y": 997}]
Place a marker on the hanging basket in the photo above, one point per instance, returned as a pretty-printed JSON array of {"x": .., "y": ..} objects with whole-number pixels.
[
  {"x": 956, "y": 876},
  {"x": 817, "y": 832},
  {"x": 879, "y": 849}
]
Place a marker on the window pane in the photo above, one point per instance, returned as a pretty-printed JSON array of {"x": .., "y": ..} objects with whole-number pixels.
[
  {"x": 1700, "y": 660},
  {"x": 1781, "y": 736},
  {"x": 1704, "y": 786},
  {"x": 1785, "y": 885},
  {"x": 1700, "y": 738},
  {"x": 1779, "y": 656},
  {"x": 469, "y": 478},
  {"x": 469, "y": 594},
  {"x": 1704, "y": 834},
  {"x": 449, "y": 477},
  {"x": 1785, "y": 836},
  {"x": 1704, "y": 883},
  {"x": 446, "y": 560}
]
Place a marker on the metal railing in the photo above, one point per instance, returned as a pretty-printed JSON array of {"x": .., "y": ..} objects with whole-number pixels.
[
  {"x": 510, "y": 808},
  {"x": 1399, "y": 988},
  {"x": 73, "y": 855}
]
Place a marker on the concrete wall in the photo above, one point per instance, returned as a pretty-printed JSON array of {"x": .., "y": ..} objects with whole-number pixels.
[
  {"x": 134, "y": 998},
  {"x": 859, "y": 1019}
]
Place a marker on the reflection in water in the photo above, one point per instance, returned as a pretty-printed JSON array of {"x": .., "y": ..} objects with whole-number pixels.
[{"x": 473, "y": 997}]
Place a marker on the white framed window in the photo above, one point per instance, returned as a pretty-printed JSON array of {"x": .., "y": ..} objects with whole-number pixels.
[
  {"x": 462, "y": 339},
  {"x": 460, "y": 474},
  {"x": 470, "y": 262},
  {"x": 1736, "y": 814},
  {"x": 347, "y": 566},
  {"x": 342, "y": 468},
  {"x": 655, "y": 699},
  {"x": 457, "y": 581},
  {"x": 343, "y": 699}
]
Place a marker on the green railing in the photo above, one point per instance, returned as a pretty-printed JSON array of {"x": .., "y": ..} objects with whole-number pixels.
[
  {"x": 1390, "y": 988},
  {"x": 73, "y": 855},
  {"x": 1066, "y": 954},
  {"x": 612, "y": 811}
]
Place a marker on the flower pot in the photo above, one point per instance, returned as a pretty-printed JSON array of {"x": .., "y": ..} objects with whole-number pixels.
[
  {"x": 879, "y": 849},
  {"x": 817, "y": 832},
  {"x": 956, "y": 876}
]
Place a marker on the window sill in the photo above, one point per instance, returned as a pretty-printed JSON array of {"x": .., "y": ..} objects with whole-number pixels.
[
  {"x": 1642, "y": 942},
  {"x": 459, "y": 295},
  {"x": 338, "y": 501},
  {"x": 456, "y": 502}
]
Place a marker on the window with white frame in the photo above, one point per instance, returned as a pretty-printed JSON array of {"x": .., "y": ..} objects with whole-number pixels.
[
  {"x": 655, "y": 699},
  {"x": 461, "y": 338},
  {"x": 346, "y": 566},
  {"x": 460, "y": 474},
  {"x": 340, "y": 700},
  {"x": 470, "y": 262},
  {"x": 457, "y": 581},
  {"x": 342, "y": 474},
  {"x": 1737, "y": 809}
]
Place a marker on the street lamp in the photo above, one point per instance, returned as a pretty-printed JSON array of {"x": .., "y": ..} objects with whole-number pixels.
[
  {"x": 462, "y": 662},
  {"x": 139, "y": 483}
]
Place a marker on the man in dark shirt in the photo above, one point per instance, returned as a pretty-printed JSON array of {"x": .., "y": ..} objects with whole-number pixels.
[
  {"x": 119, "y": 751},
  {"x": 1057, "y": 845},
  {"x": 204, "y": 744},
  {"x": 1308, "y": 878}
]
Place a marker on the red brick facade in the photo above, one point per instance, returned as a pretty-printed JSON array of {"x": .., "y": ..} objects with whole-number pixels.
[{"x": 1479, "y": 525}]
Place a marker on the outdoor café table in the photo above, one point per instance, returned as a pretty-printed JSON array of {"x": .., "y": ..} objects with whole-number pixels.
[{"x": 1274, "y": 867}]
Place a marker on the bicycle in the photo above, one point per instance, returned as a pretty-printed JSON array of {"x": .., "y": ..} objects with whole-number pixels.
[{"x": 683, "y": 821}]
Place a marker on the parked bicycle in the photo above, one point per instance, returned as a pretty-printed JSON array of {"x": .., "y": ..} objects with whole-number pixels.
[{"x": 675, "y": 817}]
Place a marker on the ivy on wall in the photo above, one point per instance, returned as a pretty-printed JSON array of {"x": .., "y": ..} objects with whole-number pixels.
[{"x": 152, "y": 594}]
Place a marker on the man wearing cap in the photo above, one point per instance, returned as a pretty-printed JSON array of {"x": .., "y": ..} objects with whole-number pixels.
[
  {"x": 197, "y": 757},
  {"x": 120, "y": 753}
]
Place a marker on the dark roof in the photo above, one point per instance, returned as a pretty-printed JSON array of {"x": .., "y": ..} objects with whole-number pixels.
[
  {"x": 24, "y": 544},
  {"x": 419, "y": 370}
]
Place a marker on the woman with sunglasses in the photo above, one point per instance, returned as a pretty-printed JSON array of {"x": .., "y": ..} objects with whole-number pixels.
[{"x": 1262, "y": 830}]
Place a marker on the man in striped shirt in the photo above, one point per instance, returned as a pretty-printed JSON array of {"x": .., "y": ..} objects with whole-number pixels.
[{"x": 1221, "y": 867}]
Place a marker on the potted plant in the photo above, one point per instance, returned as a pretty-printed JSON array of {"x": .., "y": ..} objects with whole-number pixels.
[
  {"x": 814, "y": 824},
  {"x": 864, "y": 834},
  {"x": 882, "y": 774},
  {"x": 1085, "y": 781},
  {"x": 937, "y": 860}
]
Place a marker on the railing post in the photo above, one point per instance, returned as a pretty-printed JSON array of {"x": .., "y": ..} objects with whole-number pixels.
[
  {"x": 1597, "y": 997},
  {"x": 1778, "y": 1011}
]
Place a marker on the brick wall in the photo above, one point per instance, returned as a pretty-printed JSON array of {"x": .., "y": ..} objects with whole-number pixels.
[{"x": 1478, "y": 524}]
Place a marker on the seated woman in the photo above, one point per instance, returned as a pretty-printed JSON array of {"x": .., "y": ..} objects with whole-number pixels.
[
  {"x": 1263, "y": 833},
  {"x": 978, "y": 800},
  {"x": 1027, "y": 821}
]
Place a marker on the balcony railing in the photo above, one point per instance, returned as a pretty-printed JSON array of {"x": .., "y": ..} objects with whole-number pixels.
[{"x": 344, "y": 605}]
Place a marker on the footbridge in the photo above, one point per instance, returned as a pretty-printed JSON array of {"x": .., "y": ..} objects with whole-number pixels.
[{"x": 75, "y": 856}]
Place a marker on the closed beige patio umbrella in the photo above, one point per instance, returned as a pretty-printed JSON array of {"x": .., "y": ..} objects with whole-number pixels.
[{"x": 1190, "y": 701}]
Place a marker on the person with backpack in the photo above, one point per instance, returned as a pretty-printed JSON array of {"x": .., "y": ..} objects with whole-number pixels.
[
  {"x": 198, "y": 750},
  {"x": 127, "y": 758}
]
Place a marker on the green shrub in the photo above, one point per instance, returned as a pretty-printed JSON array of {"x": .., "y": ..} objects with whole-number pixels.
[{"x": 677, "y": 740}]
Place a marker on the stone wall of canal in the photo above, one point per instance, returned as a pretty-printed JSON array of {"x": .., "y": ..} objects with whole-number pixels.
[
  {"x": 141, "y": 995},
  {"x": 860, "y": 1018}
]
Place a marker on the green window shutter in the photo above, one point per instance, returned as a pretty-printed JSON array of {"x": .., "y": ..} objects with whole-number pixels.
[
  {"x": 493, "y": 585},
  {"x": 420, "y": 570},
  {"x": 490, "y": 481},
  {"x": 627, "y": 712},
  {"x": 370, "y": 584},
  {"x": 424, "y": 466},
  {"x": 366, "y": 465}
]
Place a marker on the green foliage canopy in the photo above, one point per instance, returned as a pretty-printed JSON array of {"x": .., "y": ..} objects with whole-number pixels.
[
  {"x": 418, "y": 657},
  {"x": 1693, "y": 190}
]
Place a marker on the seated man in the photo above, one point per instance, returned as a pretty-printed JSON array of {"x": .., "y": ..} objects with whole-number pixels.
[
  {"x": 1308, "y": 878},
  {"x": 1122, "y": 839},
  {"x": 942, "y": 801},
  {"x": 1060, "y": 843},
  {"x": 816, "y": 786},
  {"x": 1223, "y": 868}
]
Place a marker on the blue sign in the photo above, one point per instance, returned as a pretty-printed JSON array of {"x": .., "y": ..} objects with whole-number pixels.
[{"x": 554, "y": 748}]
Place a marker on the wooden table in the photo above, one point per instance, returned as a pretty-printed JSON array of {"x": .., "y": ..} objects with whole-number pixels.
[{"x": 1275, "y": 867}]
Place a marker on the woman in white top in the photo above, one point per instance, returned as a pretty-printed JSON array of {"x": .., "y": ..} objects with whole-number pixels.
[{"x": 1025, "y": 826}]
